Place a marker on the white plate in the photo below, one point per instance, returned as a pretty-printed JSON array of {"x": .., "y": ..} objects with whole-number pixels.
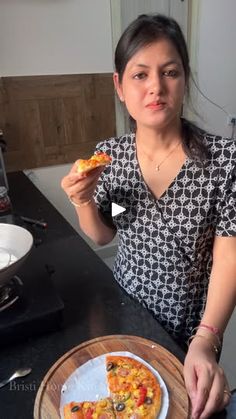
[
  {"x": 88, "y": 382},
  {"x": 5, "y": 258}
]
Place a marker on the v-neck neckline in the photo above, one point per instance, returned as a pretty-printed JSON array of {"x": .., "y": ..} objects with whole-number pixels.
[{"x": 172, "y": 183}]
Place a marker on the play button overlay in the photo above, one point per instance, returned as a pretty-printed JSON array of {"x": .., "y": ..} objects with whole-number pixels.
[{"x": 116, "y": 209}]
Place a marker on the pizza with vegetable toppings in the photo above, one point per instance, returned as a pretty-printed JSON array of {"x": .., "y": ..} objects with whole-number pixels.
[
  {"x": 135, "y": 393},
  {"x": 97, "y": 160},
  {"x": 133, "y": 388}
]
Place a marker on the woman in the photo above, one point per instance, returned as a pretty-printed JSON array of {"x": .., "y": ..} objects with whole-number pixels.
[{"x": 177, "y": 243}]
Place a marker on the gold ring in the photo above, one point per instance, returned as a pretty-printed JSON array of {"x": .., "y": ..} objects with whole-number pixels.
[{"x": 227, "y": 392}]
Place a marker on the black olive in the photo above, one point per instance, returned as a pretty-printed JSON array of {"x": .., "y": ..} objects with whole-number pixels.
[
  {"x": 110, "y": 365},
  {"x": 120, "y": 407},
  {"x": 148, "y": 400},
  {"x": 75, "y": 408}
]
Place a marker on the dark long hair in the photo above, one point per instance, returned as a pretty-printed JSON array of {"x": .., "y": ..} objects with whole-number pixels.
[{"x": 143, "y": 31}]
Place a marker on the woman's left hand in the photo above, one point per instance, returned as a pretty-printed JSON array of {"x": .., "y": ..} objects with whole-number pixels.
[{"x": 205, "y": 380}]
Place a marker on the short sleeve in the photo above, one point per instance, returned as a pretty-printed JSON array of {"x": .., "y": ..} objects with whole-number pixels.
[{"x": 226, "y": 223}]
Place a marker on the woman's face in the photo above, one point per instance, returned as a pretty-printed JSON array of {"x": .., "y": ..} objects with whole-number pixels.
[{"x": 153, "y": 85}]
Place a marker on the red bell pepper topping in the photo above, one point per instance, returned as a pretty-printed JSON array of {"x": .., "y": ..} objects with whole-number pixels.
[
  {"x": 142, "y": 395},
  {"x": 89, "y": 413}
]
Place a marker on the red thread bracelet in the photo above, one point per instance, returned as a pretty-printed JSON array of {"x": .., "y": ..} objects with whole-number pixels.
[{"x": 212, "y": 329}]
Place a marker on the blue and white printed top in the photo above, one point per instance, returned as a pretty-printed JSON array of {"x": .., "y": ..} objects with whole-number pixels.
[{"x": 165, "y": 245}]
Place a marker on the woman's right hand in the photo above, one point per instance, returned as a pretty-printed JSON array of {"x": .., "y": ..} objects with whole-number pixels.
[{"x": 80, "y": 187}]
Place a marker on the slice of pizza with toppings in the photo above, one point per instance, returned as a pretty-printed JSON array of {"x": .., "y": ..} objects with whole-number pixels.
[
  {"x": 101, "y": 409},
  {"x": 134, "y": 389},
  {"x": 97, "y": 160}
]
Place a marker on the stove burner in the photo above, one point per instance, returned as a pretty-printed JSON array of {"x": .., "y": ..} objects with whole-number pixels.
[{"x": 10, "y": 292}]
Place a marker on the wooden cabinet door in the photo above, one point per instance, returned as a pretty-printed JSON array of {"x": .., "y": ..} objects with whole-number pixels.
[{"x": 50, "y": 120}]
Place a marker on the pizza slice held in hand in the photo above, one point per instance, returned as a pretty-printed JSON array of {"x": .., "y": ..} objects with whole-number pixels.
[{"x": 97, "y": 160}]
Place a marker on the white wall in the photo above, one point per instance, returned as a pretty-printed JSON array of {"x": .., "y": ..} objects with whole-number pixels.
[
  {"x": 215, "y": 61},
  {"x": 55, "y": 37}
]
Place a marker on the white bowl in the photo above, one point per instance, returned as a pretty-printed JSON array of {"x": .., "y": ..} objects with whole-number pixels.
[{"x": 15, "y": 245}]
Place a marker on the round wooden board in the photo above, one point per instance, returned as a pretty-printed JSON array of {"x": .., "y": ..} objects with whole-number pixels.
[{"x": 47, "y": 401}]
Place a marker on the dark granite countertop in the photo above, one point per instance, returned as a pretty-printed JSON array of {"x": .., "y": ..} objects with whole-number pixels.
[{"x": 94, "y": 305}]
